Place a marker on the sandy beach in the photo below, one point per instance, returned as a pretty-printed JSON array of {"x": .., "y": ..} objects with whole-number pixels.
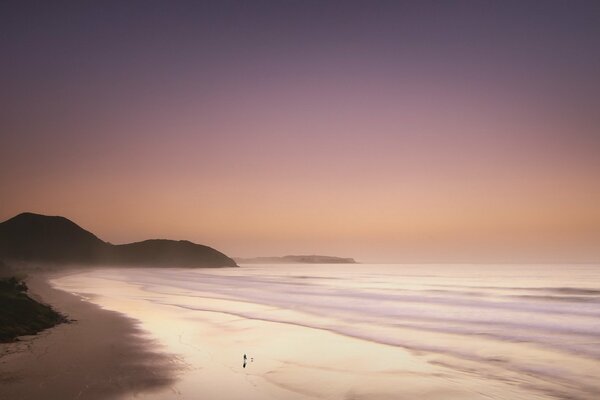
[
  {"x": 285, "y": 360},
  {"x": 101, "y": 354},
  {"x": 367, "y": 332},
  {"x": 308, "y": 333}
]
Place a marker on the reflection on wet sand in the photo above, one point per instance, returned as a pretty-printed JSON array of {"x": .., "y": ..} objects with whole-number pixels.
[{"x": 373, "y": 332}]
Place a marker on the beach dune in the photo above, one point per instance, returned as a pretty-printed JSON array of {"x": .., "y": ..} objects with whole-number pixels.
[{"x": 100, "y": 354}]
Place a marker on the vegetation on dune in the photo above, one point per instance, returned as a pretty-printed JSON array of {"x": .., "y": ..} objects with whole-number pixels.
[{"x": 20, "y": 314}]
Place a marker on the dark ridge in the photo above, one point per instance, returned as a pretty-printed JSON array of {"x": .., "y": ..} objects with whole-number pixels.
[
  {"x": 34, "y": 237},
  {"x": 181, "y": 253},
  {"x": 56, "y": 240}
]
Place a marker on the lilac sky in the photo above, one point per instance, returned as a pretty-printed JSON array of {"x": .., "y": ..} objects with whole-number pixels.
[{"x": 386, "y": 131}]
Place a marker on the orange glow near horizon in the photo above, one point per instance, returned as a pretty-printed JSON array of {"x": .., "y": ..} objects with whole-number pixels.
[{"x": 351, "y": 138}]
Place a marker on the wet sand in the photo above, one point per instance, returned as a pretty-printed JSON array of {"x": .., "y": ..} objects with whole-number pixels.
[
  {"x": 209, "y": 319},
  {"x": 100, "y": 355},
  {"x": 286, "y": 360}
]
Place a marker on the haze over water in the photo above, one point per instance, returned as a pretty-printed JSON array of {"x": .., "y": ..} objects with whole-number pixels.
[{"x": 368, "y": 331}]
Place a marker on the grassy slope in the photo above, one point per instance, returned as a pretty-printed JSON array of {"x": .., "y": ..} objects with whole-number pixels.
[{"x": 21, "y": 315}]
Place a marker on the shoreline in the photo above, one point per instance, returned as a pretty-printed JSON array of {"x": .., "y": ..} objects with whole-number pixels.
[
  {"x": 285, "y": 360},
  {"x": 213, "y": 317},
  {"x": 100, "y": 354}
]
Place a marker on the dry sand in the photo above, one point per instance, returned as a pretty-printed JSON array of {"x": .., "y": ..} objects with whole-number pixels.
[{"x": 100, "y": 355}]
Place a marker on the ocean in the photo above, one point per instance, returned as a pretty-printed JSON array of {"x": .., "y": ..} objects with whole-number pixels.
[{"x": 463, "y": 331}]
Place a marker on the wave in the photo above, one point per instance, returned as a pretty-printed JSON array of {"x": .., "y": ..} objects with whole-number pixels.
[
  {"x": 540, "y": 330},
  {"x": 567, "y": 327}
]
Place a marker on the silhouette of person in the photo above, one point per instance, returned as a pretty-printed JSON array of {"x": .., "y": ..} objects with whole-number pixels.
[{"x": 245, "y": 358}]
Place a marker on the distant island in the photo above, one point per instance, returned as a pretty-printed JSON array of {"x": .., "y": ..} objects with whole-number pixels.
[
  {"x": 55, "y": 240},
  {"x": 306, "y": 259}
]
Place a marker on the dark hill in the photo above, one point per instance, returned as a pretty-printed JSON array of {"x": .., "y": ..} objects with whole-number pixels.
[
  {"x": 33, "y": 237},
  {"x": 170, "y": 252},
  {"x": 56, "y": 240}
]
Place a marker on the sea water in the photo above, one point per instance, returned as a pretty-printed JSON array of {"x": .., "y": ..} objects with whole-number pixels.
[{"x": 524, "y": 331}]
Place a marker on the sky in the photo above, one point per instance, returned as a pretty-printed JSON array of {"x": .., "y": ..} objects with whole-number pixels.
[{"x": 418, "y": 131}]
